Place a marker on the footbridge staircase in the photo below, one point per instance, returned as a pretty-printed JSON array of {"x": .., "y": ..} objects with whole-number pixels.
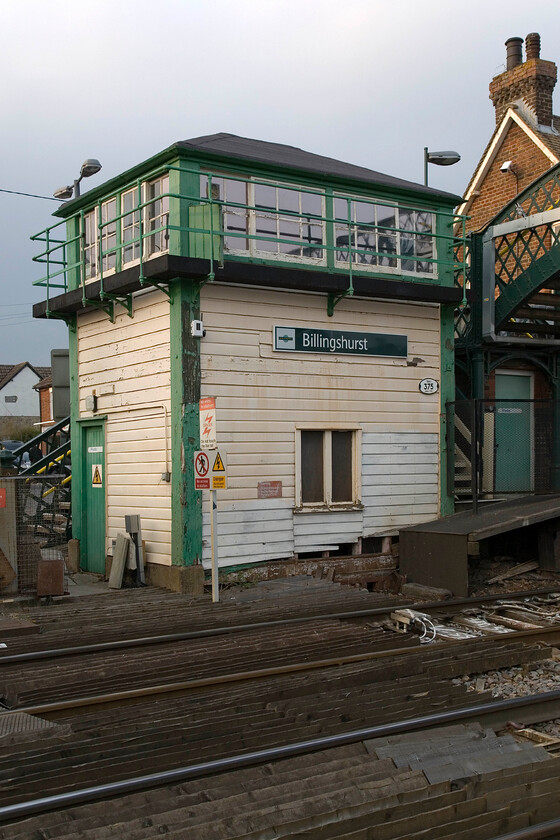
[
  {"x": 510, "y": 317},
  {"x": 509, "y": 320}
]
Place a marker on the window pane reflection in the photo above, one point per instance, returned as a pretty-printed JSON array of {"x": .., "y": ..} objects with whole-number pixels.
[
  {"x": 288, "y": 200},
  {"x": 265, "y": 196},
  {"x": 342, "y": 490},
  {"x": 311, "y": 203},
  {"x": 312, "y": 466}
]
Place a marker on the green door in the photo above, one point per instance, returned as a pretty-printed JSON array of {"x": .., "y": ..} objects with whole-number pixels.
[
  {"x": 513, "y": 433},
  {"x": 92, "y": 546}
]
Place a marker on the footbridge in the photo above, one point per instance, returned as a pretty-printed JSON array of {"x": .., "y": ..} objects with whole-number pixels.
[
  {"x": 513, "y": 275},
  {"x": 504, "y": 447}
]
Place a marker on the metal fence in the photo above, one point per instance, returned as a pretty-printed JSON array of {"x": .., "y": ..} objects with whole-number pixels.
[
  {"x": 501, "y": 447},
  {"x": 34, "y": 529}
]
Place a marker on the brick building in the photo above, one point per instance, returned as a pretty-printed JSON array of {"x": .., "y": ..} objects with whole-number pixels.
[
  {"x": 508, "y": 337},
  {"x": 527, "y": 134},
  {"x": 44, "y": 389}
]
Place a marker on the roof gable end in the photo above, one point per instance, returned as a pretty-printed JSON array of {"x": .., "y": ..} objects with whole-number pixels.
[{"x": 512, "y": 116}]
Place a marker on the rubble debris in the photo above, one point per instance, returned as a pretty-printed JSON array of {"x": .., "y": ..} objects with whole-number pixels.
[{"x": 519, "y": 569}]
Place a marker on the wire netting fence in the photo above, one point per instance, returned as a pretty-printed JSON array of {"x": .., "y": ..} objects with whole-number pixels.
[
  {"x": 501, "y": 447},
  {"x": 34, "y": 527}
]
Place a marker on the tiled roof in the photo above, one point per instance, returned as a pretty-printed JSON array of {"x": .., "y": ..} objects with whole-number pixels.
[
  {"x": 7, "y": 372},
  {"x": 46, "y": 382},
  {"x": 10, "y": 371},
  {"x": 279, "y": 154}
]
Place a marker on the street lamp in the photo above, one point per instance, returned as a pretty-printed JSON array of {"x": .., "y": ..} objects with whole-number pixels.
[
  {"x": 440, "y": 159},
  {"x": 89, "y": 167}
]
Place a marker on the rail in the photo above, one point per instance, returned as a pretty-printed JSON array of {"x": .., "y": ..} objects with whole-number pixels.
[
  {"x": 548, "y": 702},
  {"x": 125, "y": 644}
]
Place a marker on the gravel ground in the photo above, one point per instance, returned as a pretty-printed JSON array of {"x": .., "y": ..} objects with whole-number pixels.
[{"x": 520, "y": 681}]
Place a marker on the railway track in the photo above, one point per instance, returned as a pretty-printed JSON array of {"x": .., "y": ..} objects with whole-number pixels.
[
  {"x": 92, "y": 718},
  {"x": 123, "y": 671}
]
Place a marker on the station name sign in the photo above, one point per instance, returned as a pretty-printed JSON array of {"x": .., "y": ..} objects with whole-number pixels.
[{"x": 311, "y": 340}]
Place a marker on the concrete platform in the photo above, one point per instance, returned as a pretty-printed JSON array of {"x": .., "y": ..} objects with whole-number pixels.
[{"x": 82, "y": 583}]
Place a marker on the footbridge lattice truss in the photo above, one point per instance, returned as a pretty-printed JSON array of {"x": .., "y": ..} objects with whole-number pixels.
[{"x": 514, "y": 271}]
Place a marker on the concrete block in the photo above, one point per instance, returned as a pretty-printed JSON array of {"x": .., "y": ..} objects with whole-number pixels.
[
  {"x": 189, "y": 580},
  {"x": 73, "y": 561}
]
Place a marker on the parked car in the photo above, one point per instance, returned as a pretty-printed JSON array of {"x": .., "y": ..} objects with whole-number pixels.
[{"x": 11, "y": 445}]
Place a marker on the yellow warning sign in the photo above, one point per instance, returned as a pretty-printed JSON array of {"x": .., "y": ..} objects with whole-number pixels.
[
  {"x": 218, "y": 464},
  {"x": 97, "y": 475},
  {"x": 219, "y": 482}
]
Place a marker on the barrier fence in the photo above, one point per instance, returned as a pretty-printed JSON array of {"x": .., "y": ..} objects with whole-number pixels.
[
  {"x": 501, "y": 447},
  {"x": 34, "y": 527}
]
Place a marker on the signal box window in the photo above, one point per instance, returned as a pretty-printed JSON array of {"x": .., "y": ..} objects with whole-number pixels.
[{"x": 328, "y": 467}]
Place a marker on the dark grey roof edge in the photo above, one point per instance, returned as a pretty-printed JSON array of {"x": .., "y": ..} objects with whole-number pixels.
[
  {"x": 14, "y": 370},
  {"x": 279, "y": 154}
]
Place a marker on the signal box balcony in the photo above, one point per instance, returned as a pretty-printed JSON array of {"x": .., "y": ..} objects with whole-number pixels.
[{"x": 296, "y": 223}]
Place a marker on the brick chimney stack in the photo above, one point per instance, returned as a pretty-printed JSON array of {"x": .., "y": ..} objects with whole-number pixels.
[{"x": 532, "y": 81}]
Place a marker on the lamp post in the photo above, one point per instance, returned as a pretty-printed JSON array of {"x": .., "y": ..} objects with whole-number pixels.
[
  {"x": 89, "y": 167},
  {"x": 440, "y": 159}
]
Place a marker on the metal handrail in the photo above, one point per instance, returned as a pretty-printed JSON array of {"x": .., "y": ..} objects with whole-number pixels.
[{"x": 354, "y": 261}]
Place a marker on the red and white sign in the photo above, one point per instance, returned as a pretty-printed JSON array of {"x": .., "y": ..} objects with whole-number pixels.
[
  {"x": 207, "y": 409},
  {"x": 269, "y": 490},
  {"x": 201, "y": 471}
]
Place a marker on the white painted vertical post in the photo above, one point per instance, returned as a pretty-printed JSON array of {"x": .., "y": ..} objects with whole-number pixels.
[{"x": 214, "y": 546}]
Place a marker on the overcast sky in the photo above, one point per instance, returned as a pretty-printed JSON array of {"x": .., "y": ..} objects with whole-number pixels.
[{"x": 370, "y": 82}]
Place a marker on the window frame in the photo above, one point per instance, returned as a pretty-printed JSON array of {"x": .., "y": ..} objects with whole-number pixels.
[
  {"x": 162, "y": 235},
  {"x": 134, "y": 214},
  {"x": 90, "y": 245},
  {"x": 400, "y": 235},
  {"x": 96, "y": 242},
  {"x": 253, "y": 212},
  {"x": 327, "y": 504},
  {"x": 109, "y": 229}
]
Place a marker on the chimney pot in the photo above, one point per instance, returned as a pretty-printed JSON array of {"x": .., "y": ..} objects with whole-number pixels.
[
  {"x": 533, "y": 45},
  {"x": 514, "y": 54}
]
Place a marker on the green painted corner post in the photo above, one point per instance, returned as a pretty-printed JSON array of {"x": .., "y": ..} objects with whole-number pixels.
[
  {"x": 186, "y": 502},
  {"x": 75, "y": 433},
  {"x": 73, "y": 252},
  {"x": 447, "y": 394}
]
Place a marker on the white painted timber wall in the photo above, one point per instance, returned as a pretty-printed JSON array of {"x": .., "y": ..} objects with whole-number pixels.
[
  {"x": 127, "y": 364},
  {"x": 262, "y": 395}
]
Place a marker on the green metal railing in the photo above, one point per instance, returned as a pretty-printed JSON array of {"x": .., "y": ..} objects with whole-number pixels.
[
  {"x": 524, "y": 259},
  {"x": 527, "y": 244},
  {"x": 207, "y": 235}
]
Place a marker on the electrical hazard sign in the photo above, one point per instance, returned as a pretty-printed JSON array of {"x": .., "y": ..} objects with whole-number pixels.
[
  {"x": 218, "y": 464},
  {"x": 97, "y": 475},
  {"x": 219, "y": 472},
  {"x": 207, "y": 412},
  {"x": 210, "y": 470}
]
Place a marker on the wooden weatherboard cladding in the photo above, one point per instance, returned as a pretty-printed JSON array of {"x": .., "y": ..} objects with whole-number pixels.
[
  {"x": 359, "y": 265},
  {"x": 312, "y": 340}
]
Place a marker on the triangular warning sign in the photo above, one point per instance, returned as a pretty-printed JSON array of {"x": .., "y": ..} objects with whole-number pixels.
[
  {"x": 96, "y": 476},
  {"x": 218, "y": 464}
]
